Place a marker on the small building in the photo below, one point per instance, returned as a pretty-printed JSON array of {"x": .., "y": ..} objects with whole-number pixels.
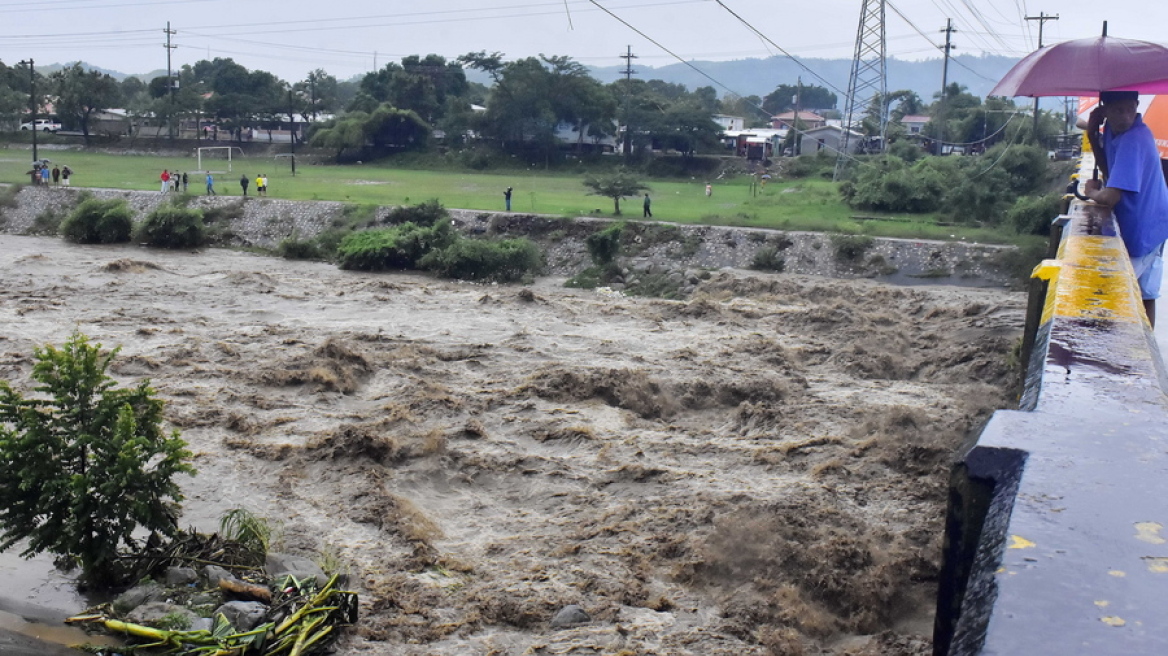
[
  {"x": 755, "y": 144},
  {"x": 729, "y": 123},
  {"x": 914, "y": 123},
  {"x": 569, "y": 136},
  {"x": 787, "y": 120},
  {"x": 114, "y": 122},
  {"x": 828, "y": 137}
]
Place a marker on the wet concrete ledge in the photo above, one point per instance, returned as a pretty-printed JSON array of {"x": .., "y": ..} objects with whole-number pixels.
[{"x": 1055, "y": 541}]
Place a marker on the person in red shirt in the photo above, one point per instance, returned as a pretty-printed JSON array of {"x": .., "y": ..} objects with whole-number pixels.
[{"x": 165, "y": 177}]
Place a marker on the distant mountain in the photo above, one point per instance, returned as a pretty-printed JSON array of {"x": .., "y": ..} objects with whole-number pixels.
[{"x": 759, "y": 77}]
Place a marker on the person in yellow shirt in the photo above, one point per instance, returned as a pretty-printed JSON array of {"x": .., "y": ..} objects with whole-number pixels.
[{"x": 259, "y": 185}]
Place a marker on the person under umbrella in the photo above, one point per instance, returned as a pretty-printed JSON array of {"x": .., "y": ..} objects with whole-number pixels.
[{"x": 1133, "y": 186}]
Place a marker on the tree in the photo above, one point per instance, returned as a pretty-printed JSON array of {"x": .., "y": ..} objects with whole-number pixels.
[
  {"x": 616, "y": 185},
  {"x": 748, "y": 107},
  {"x": 419, "y": 84},
  {"x": 320, "y": 93},
  {"x": 341, "y": 134},
  {"x": 80, "y": 93},
  {"x": 85, "y": 464},
  {"x": 782, "y": 99}
]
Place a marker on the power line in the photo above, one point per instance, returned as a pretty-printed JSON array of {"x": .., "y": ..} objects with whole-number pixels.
[
  {"x": 778, "y": 47},
  {"x": 700, "y": 71}
]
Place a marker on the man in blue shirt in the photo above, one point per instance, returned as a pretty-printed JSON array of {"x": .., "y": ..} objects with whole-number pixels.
[{"x": 1126, "y": 153}]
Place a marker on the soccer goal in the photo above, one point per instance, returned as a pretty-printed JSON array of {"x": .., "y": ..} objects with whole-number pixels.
[{"x": 212, "y": 155}]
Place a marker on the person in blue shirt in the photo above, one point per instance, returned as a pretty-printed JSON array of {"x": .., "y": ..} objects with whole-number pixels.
[{"x": 1133, "y": 186}]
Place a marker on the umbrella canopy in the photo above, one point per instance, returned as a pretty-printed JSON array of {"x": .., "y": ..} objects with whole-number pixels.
[{"x": 1084, "y": 67}]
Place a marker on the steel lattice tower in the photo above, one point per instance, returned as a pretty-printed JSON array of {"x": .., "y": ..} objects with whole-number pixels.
[{"x": 869, "y": 79}]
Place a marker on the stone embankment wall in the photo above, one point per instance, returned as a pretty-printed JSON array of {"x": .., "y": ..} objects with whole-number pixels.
[{"x": 653, "y": 248}]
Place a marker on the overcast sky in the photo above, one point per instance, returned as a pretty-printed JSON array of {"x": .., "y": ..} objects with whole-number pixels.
[{"x": 291, "y": 37}]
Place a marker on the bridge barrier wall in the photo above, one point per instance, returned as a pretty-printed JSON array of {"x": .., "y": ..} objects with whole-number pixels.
[{"x": 1054, "y": 538}]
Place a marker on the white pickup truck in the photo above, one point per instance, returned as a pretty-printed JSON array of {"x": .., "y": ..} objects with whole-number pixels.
[{"x": 42, "y": 125}]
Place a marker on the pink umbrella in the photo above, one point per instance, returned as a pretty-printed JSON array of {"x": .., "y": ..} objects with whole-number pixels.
[{"x": 1084, "y": 67}]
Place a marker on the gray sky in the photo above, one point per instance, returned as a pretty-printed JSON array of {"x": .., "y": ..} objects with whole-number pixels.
[{"x": 291, "y": 37}]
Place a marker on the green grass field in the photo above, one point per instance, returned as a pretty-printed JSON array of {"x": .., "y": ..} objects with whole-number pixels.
[{"x": 808, "y": 204}]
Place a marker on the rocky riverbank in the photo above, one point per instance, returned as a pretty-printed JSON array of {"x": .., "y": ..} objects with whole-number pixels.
[{"x": 657, "y": 248}]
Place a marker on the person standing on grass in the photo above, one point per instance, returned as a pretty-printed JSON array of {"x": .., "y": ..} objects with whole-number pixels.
[
  {"x": 45, "y": 175},
  {"x": 648, "y": 212},
  {"x": 165, "y": 178},
  {"x": 507, "y": 198},
  {"x": 184, "y": 181},
  {"x": 65, "y": 173},
  {"x": 56, "y": 175},
  {"x": 211, "y": 184},
  {"x": 1133, "y": 186},
  {"x": 709, "y": 190},
  {"x": 260, "y": 185},
  {"x": 243, "y": 181}
]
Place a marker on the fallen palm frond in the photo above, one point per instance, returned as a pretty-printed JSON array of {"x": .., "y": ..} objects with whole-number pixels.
[{"x": 301, "y": 622}]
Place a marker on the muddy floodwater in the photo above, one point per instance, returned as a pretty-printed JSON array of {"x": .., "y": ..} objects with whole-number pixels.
[{"x": 760, "y": 469}]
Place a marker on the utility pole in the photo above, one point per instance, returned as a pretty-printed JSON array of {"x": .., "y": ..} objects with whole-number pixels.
[
  {"x": 628, "y": 140},
  {"x": 169, "y": 80},
  {"x": 1041, "y": 18},
  {"x": 32, "y": 106},
  {"x": 949, "y": 30},
  {"x": 797, "y": 142}
]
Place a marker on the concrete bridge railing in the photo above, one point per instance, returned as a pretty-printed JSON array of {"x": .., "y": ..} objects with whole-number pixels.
[{"x": 1055, "y": 541}]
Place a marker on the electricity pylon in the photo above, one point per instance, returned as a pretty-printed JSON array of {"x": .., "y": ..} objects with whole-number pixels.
[{"x": 869, "y": 79}]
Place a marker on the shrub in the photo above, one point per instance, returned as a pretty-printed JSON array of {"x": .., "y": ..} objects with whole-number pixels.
[
  {"x": 300, "y": 249},
  {"x": 604, "y": 245},
  {"x": 85, "y": 464},
  {"x": 505, "y": 260},
  {"x": 97, "y": 221},
  {"x": 889, "y": 184},
  {"x": 808, "y": 166},
  {"x": 767, "y": 258},
  {"x": 47, "y": 222},
  {"x": 594, "y": 276},
  {"x": 851, "y": 248},
  {"x": 907, "y": 150},
  {"x": 173, "y": 227},
  {"x": 399, "y": 247},
  {"x": 423, "y": 214},
  {"x": 1031, "y": 215}
]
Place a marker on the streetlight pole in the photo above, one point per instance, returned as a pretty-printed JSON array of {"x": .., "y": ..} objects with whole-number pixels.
[{"x": 32, "y": 105}]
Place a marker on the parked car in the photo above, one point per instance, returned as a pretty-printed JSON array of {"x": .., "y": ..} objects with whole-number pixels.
[{"x": 42, "y": 125}]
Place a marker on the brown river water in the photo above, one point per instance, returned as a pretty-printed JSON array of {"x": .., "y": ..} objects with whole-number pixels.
[{"x": 760, "y": 469}]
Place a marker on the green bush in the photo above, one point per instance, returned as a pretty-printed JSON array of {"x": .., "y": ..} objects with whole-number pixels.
[
  {"x": 505, "y": 260},
  {"x": 170, "y": 226},
  {"x": 1031, "y": 215},
  {"x": 594, "y": 276},
  {"x": 86, "y": 465},
  {"x": 767, "y": 258},
  {"x": 889, "y": 184},
  {"x": 851, "y": 248},
  {"x": 909, "y": 151},
  {"x": 604, "y": 245},
  {"x": 399, "y": 247},
  {"x": 809, "y": 166},
  {"x": 423, "y": 214},
  {"x": 300, "y": 249},
  {"x": 97, "y": 221}
]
